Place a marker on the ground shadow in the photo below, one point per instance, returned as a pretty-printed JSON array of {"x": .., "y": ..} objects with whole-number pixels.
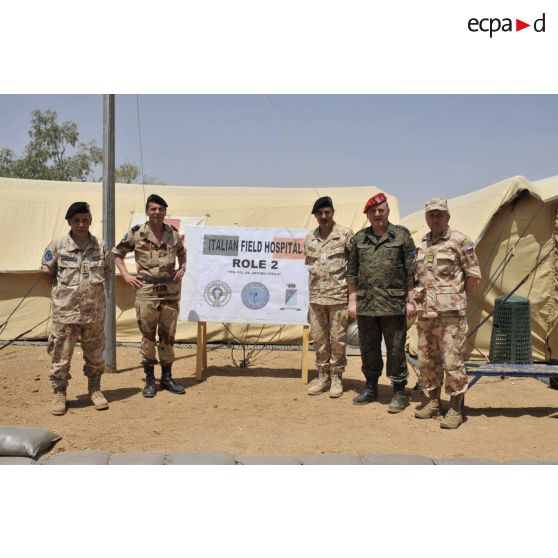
[
  {"x": 537, "y": 412},
  {"x": 185, "y": 382},
  {"x": 112, "y": 396},
  {"x": 252, "y": 372},
  {"x": 385, "y": 392},
  {"x": 140, "y": 366}
]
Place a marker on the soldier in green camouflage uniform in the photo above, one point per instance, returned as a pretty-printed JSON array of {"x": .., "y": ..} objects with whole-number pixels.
[
  {"x": 156, "y": 247},
  {"x": 380, "y": 279},
  {"x": 326, "y": 250},
  {"x": 447, "y": 270},
  {"x": 78, "y": 264}
]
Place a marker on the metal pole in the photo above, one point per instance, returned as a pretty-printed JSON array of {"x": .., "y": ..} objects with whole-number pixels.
[{"x": 108, "y": 226}]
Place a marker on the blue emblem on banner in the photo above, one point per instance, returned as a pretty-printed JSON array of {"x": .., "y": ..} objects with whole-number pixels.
[{"x": 255, "y": 296}]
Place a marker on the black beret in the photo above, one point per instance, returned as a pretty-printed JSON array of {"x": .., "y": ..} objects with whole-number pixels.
[
  {"x": 77, "y": 207},
  {"x": 154, "y": 198},
  {"x": 325, "y": 201}
]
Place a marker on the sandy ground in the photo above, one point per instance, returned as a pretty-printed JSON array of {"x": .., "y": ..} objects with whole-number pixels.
[{"x": 264, "y": 409}]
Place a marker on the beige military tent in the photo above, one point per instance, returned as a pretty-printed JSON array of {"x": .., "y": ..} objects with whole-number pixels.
[
  {"x": 514, "y": 225},
  {"x": 32, "y": 213}
]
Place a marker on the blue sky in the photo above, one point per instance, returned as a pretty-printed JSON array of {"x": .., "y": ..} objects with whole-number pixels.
[{"x": 413, "y": 146}]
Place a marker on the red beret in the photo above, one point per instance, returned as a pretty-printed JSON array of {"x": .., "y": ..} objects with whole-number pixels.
[{"x": 379, "y": 198}]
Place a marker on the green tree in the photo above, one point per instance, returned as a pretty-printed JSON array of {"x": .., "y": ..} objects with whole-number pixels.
[
  {"x": 7, "y": 159},
  {"x": 55, "y": 153},
  {"x": 127, "y": 173}
]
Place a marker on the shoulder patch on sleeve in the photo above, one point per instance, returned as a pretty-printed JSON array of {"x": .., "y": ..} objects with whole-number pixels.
[{"x": 47, "y": 255}]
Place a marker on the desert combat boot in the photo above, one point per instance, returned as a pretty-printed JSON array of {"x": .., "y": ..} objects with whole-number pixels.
[
  {"x": 336, "y": 389},
  {"x": 432, "y": 408},
  {"x": 97, "y": 397},
  {"x": 58, "y": 405},
  {"x": 454, "y": 416},
  {"x": 321, "y": 384}
]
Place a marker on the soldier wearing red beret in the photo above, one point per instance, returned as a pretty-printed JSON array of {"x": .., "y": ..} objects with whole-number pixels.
[{"x": 380, "y": 279}]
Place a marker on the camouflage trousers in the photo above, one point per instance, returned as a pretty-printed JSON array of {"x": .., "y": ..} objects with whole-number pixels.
[
  {"x": 157, "y": 317},
  {"x": 370, "y": 332},
  {"x": 329, "y": 332},
  {"x": 441, "y": 342},
  {"x": 61, "y": 342}
]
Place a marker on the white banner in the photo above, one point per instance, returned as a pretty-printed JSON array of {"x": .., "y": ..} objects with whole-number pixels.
[{"x": 245, "y": 275}]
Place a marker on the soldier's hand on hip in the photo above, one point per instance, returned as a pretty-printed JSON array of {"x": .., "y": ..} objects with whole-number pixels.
[
  {"x": 411, "y": 310},
  {"x": 133, "y": 281},
  {"x": 178, "y": 275}
]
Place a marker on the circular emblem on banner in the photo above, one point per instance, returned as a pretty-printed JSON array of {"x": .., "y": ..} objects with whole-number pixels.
[
  {"x": 217, "y": 293},
  {"x": 255, "y": 296}
]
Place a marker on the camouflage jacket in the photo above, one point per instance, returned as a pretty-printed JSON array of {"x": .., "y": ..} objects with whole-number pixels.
[
  {"x": 154, "y": 261},
  {"x": 78, "y": 295},
  {"x": 382, "y": 270},
  {"x": 440, "y": 270},
  {"x": 327, "y": 265}
]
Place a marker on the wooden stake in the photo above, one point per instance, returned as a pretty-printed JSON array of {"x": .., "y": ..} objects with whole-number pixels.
[
  {"x": 304, "y": 364},
  {"x": 201, "y": 351}
]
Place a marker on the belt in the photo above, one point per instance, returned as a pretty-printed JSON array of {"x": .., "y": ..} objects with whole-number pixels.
[{"x": 156, "y": 280}]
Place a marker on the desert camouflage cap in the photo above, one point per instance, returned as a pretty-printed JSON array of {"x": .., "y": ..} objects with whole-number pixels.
[{"x": 436, "y": 203}]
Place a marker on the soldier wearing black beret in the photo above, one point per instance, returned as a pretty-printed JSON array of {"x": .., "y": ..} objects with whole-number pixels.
[
  {"x": 77, "y": 207},
  {"x": 154, "y": 198},
  {"x": 326, "y": 249},
  {"x": 78, "y": 264},
  {"x": 324, "y": 201},
  {"x": 157, "y": 247}
]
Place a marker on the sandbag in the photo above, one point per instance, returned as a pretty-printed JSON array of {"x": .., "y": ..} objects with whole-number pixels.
[
  {"x": 25, "y": 441},
  {"x": 87, "y": 457}
]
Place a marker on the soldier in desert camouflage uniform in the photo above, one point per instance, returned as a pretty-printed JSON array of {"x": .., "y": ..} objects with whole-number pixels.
[
  {"x": 447, "y": 271},
  {"x": 78, "y": 264},
  {"x": 380, "y": 278},
  {"x": 326, "y": 250},
  {"x": 156, "y": 247}
]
